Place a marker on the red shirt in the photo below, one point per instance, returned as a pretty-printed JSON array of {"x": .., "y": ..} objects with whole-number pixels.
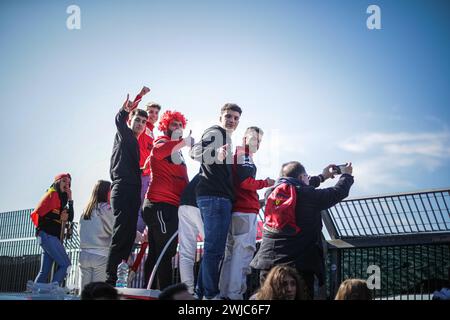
[
  {"x": 145, "y": 141},
  {"x": 245, "y": 185},
  {"x": 169, "y": 172}
]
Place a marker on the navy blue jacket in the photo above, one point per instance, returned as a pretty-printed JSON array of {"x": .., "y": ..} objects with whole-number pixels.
[{"x": 304, "y": 250}]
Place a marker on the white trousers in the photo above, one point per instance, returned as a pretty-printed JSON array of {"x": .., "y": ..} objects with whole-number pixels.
[
  {"x": 92, "y": 268},
  {"x": 190, "y": 225},
  {"x": 239, "y": 251}
]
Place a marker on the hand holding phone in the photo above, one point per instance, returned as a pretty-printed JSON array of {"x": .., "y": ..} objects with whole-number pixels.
[{"x": 344, "y": 168}]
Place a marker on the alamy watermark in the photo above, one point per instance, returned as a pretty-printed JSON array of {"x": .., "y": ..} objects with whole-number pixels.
[
  {"x": 373, "y": 22},
  {"x": 374, "y": 280},
  {"x": 73, "y": 21}
]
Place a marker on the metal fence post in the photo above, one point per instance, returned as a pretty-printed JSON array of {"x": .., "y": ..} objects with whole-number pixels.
[{"x": 335, "y": 269}]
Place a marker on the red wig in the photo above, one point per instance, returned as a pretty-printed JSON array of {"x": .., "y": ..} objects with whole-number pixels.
[{"x": 168, "y": 117}]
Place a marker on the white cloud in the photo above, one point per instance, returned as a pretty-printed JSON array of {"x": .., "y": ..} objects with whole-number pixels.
[
  {"x": 434, "y": 144},
  {"x": 385, "y": 157},
  {"x": 382, "y": 173}
]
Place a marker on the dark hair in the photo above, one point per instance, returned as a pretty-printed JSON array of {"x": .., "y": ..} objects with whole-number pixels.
[
  {"x": 99, "y": 195},
  {"x": 99, "y": 291},
  {"x": 256, "y": 129},
  {"x": 57, "y": 186},
  {"x": 292, "y": 169},
  {"x": 152, "y": 105},
  {"x": 232, "y": 107},
  {"x": 170, "y": 291},
  {"x": 353, "y": 289},
  {"x": 139, "y": 112}
]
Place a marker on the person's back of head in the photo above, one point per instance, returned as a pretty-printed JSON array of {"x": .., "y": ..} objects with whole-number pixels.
[
  {"x": 292, "y": 169},
  {"x": 99, "y": 291},
  {"x": 100, "y": 194},
  {"x": 177, "y": 291},
  {"x": 353, "y": 289}
]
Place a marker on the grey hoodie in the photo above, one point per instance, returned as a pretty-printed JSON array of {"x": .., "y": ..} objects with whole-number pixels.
[{"x": 96, "y": 233}]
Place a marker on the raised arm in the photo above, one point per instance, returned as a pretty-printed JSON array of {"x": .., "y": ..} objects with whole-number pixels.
[
  {"x": 326, "y": 198},
  {"x": 122, "y": 117},
  {"x": 139, "y": 97},
  {"x": 328, "y": 172}
]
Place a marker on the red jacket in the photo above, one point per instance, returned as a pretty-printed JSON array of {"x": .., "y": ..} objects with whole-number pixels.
[
  {"x": 46, "y": 216},
  {"x": 50, "y": 203},
  {"x": 145, "y": 141},
  {"x": 245, "y": 184},
  {"x": 169, "y": 172},
  {"x": 145, "y": 147}
]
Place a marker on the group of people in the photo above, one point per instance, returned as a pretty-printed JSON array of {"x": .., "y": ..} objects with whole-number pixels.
[
  {"x": 151, "y": 194},
  {"x": 282, "y": 283}
]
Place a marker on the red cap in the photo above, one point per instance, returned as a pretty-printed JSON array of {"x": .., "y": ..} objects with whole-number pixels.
[{"x": 62, "y": 175}]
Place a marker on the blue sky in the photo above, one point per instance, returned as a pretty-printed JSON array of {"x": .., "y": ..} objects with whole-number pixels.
[{"x": 322, "y": 85}]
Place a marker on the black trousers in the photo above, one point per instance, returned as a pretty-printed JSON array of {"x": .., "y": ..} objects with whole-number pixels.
[
  {"x": 125, "y": 203},
  {"x": 162, "y": 221}
]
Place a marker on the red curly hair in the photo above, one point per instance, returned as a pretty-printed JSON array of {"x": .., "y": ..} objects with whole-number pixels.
[{"x": 167, "y": 117}]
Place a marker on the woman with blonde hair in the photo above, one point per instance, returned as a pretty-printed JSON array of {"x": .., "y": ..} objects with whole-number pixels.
[
  {"x": 96, "y": 229},
  {"x": 353, "y": 289},
  {"x": 282, "y": 283}
]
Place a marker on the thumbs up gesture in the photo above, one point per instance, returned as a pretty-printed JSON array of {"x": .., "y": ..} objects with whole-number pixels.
[
  {"x": 222, "y": 152},
  {"x": 189, "y": 141}
]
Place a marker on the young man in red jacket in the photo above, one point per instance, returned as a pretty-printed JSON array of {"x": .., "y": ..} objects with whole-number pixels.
[
  {"x": 169, "y": 178},
  {"x": 145, "y": 147},
  {"x": 241, "y": 240}
]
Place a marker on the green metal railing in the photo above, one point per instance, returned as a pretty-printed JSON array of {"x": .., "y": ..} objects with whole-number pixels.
[{"x": 406, "y": 236}]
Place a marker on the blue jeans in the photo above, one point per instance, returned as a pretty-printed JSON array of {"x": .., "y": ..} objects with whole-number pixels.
[
  {"x": 216, "y": 215},
  {"x": 53, "y": 251}
]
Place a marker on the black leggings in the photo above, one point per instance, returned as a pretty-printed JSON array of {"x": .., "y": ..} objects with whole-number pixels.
[{"x": 162, "y": 221}]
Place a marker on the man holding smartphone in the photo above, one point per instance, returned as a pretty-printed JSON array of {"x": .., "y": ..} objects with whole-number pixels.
[{"x": 294, "y": 236}]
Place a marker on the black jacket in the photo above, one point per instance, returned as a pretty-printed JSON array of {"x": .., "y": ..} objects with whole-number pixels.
[
  {"x": 216, "y": 177},
  {"x": 188, "y": 197},
  {"x": 304, "y": 250},
  {"x": 124, "y": 167}
]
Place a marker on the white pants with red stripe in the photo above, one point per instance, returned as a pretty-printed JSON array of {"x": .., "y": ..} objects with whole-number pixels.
[
  {"x": 239, "y": 251},
  {"x": 190, "y": 225}
]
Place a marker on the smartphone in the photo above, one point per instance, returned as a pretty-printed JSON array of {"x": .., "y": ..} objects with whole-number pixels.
[{"x": 339, "y": 168}]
